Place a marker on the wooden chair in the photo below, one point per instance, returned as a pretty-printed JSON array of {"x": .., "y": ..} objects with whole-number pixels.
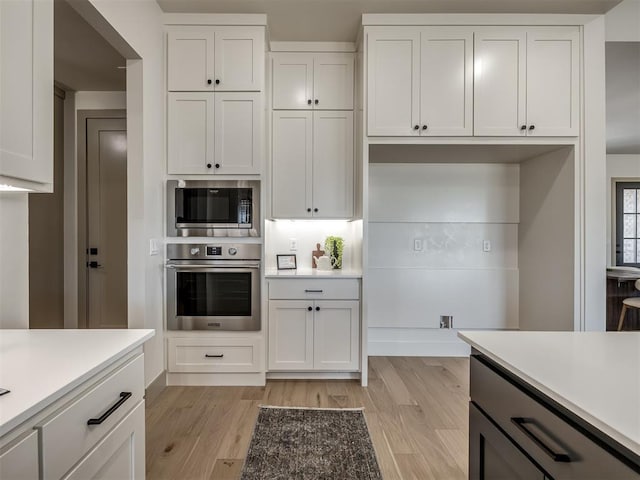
[{"x": 631, "y": 302}]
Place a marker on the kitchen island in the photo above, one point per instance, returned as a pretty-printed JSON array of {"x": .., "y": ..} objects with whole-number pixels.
[
  {"x": 570, "y": 401},
  {"x": 75, "y": 404}
]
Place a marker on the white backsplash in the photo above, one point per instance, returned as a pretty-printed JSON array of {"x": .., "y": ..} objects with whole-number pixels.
[{"x": 308, "y": 233}]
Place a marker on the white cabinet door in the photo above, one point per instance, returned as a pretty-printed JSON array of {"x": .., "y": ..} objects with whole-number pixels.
[
  {"x": 190, "y": 133},
  {"x": 239, "y": 58},
  {"x": 446, "y": 81},
  {"x": 20, "y": 461},
  {"x": 553, "y": 81},
  {"x": 292, "y": 75},
  {"x": 290, "y": 335},
  {"x": 120, "y": 454},
  {"x": 292, "y": 150},
  {"x": 336, "y": 335},
  {"x": 333, "y": 81},
  {"x": 191, "y": 59},
  {"x": 393, "y": 72},
  {"x": 499, "y": 81},
  {"x": 333, "y": 164},
  {"x": 238, "y": 133},
  {"x": 26, "y": 92}
]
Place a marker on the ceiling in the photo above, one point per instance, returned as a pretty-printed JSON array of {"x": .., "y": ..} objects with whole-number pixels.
[
  {"x": 623, "y": 97},
  {"x": 83, "y": 59},
  {"x": 338, "y": 20}
]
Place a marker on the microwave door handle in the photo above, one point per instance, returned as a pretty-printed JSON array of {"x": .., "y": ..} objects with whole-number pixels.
[{"x": 179, "y": 205}]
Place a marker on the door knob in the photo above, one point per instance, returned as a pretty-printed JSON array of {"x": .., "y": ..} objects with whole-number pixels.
[
  {"x": 217, "y": 81},
  {"x": 424, "y": 127},
  {"x": 317, "y": 309},
  {"x": 309, "y": 308},
  {"x": 309, "y": 102},
  {"x": 209, "y": 82},
  {"x": 217, "y": 165},
  {"x": 523, "y": 127},
  {"x": 316, "y": 101},
  {"x": 208, "y": 165},
  {"x": 93, "y": 265},
  {"x": 416, "y": 127},
  {"x": 531, "y": 127}
]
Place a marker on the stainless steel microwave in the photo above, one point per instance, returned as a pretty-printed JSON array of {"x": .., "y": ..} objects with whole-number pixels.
[{"x": 213, "y": 208}]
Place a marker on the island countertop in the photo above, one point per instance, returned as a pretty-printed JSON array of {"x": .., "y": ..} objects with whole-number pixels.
[
  {"x": 595, "y": 375},
  {"x": 41, "y": 366}
]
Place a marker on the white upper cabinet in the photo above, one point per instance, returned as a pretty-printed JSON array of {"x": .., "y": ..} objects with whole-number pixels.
[
  {"x": 393, "y": 72},
  {"x": 217, "y": 133},
  {"x": 26, "y": 93},
  {"x": 446, "y": 81},
  {"x": 553, "y": 81},
  {"x": 292, "y": 86},
  {"x": 499, "y": 87},
  {"x": 312, "y": 164},
  {"x": 420, "y": 81},
  {"x": 526, "y": 81},
  {"x": 333, "y": 164},
  {"x": 239, "y": 58},
  {"x": 319, "y": 81},
  {"x": 238, "y": 133},
  {"x": 224, "y": 58}
]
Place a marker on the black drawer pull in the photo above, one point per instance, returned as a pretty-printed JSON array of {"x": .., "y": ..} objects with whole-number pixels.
[
  {"x": 556, "y": 457},
  {"x": 312, "y": 291},
  {"x": 214, "y": 356},
  {"x": 124, "y": 396}
]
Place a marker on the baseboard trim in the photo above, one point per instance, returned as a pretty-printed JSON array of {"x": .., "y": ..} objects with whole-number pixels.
[
  {"x": 156, "y": 387},
  {"x": 216, "y": 379},
  {"x": 313, "y": 376},
  {"x": 418, "y": 349}
]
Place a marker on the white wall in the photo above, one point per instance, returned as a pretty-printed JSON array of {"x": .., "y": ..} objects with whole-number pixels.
[
  {"x": 139, "y": 23},
  {"x": 547, "y": 235},
  {"x": 619, "y": 168},
  {"x": 85, "y": 100},
  {"x": 622, "y": 23},
  {"x": 14, "y": 260},
  {"x": 451, "y": 209}
]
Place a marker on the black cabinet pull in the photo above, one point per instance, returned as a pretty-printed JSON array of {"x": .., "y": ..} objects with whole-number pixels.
[
  {"x": 312, "y": 291},
  {"x": 217, "y": 81},
  {"x": 209, "y": 82},
  {"x": 309, "y": 308},
  {"x": 424, "y": 127},
  {"x": 531, "y": 127},
  {"x": 124, "y": 396},
  {"x": 209, "y": 165},
  {"x": 416, "y": 127},
  {"x": 214, "y": 356},
  {"x": 523, "y": 127},
  {"x": 317, "y": 309},
  {"x": 308, "y": 209},
  {"x": 316, "y": 101},
  {"x": 556, "y": 457},
  {"x": 217, "y": 165},
  {"x": 309, "y": 102},
  {"x": 315, "y": 209}
]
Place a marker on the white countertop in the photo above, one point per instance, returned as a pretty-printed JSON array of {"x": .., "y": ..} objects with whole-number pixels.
[
  {"x": 595, "y": 375},
  {"x": 41, "y": 366},
  {"x": 313, "y": 273}
]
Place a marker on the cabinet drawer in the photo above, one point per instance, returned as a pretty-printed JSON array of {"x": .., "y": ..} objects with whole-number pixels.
[
  {"x": 333, "y": 289},
  {"x": 66, "y": 436},
  {"x": 523, "y": 418},
  {"x": 214, "y": 355},
  {"x": 20, "y": 461}
]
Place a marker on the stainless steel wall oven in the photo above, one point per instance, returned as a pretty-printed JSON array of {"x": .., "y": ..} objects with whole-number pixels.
[
  {"x": 213, "y": 208},
  {"x": 213, "y": 287}
]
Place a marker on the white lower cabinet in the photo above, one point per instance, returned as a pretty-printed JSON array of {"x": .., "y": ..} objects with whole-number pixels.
[
  {"x": 19, "y": 461},
  {"x": 119, "y": 455},
  {"x": 310, "y": 333}
]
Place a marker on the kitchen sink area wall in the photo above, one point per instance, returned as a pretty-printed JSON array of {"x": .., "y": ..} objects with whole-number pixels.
[{"x": 480, "y": 233}]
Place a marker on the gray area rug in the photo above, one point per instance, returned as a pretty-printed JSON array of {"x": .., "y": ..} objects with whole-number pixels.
[{"x": 310, "y": 444}]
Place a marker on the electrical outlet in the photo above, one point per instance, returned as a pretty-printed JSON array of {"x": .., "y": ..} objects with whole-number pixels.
[
  {"x": 446, "y": 321},
  {"x": 417, "y": 245},
  {"x": 153, "y": 247},
  {"x": 293, "y": 244},
  {"x": 486, "y": 245}
]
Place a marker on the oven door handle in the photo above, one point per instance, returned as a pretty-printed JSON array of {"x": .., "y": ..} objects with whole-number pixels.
[{"x": 210, "y": 267}]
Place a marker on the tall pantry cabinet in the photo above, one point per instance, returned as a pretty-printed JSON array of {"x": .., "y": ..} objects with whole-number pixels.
[
  {"x": 312, "y": 167},
  {"x": 215, "y": 78}
]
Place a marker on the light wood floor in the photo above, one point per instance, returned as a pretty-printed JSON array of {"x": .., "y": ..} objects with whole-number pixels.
[{"x": 416, "y": 410}]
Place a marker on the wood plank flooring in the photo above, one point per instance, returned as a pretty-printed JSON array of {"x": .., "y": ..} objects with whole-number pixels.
[{"x": 416, "y": 410}]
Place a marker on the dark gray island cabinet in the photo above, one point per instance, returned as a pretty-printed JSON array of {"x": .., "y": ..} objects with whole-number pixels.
[{"x": 517, "y": 432}]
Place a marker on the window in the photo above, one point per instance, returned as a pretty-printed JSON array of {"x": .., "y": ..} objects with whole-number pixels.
[{"x": 628, "y": 223}]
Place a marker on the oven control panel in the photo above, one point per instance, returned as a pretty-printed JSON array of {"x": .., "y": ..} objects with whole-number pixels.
[
  {"x": 214, "y": 251},
  {"x": 204, "y": 251}
]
